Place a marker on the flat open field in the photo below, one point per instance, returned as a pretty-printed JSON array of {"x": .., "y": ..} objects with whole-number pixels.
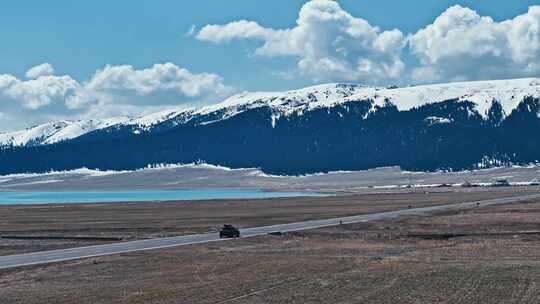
[
  {"x": 37, "y": 228},
  {"x": 486, "y": 255}
]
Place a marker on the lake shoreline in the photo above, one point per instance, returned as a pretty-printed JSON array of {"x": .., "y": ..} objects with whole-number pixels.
[{"x": 17, "y": 198}]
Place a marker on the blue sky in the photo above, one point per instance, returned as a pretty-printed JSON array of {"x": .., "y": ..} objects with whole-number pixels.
[{"x": 79, "y": 38}]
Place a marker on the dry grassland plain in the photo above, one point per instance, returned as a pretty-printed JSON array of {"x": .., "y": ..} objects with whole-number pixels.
[{"x": 485, "y": 255}]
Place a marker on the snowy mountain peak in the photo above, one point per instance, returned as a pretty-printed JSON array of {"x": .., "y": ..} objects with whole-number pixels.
[
  {"x": 508, "y": 93},
  {"x": 310, "y": 97},
  {"x": 50, "y": 133}
]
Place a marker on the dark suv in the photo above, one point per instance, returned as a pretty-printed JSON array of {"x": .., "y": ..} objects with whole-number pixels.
[{"x": 228, "y": 231}]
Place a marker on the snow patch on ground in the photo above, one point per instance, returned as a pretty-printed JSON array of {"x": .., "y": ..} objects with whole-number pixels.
[
  {"x": 198, "y": 165},
  {"x": 81, "y": 171},
  {"x": 39, "y": 182},
  {"x": 433, "y": 120},
  {"x": 94, "y": 173}
]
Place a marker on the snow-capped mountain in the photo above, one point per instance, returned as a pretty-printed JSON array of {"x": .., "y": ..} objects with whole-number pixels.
[
  {"x": 321, "y": 128},
  {"x": 508, "y": 93},
  {"x": 54, "y": 132}
]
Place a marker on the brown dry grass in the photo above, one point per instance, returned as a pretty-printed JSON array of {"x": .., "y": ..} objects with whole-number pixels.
[
  {"x": 149, "y": 220},
  {"x": 493, "y": 261}
]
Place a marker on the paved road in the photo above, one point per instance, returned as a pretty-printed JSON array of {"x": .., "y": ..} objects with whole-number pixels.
[{"x": 116, "y": 248}]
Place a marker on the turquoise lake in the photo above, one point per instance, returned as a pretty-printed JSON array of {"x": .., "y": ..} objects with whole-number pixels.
[{"x": 75, "y": 197}]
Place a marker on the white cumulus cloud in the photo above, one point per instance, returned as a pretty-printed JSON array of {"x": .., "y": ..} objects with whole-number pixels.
[
  {"x": 40, "y": 92},
  {"x": 44, "y": 69},
  {"x": 159, "y": 77},
  {"x": 330, "y": 44},
  {"x": 462, "y": 45},
  {"x": 242, "y": 29},
  {"x": 113, "y": 90}
]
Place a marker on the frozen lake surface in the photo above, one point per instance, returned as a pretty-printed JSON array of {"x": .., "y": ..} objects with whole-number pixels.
[{"x": 74, "y": 197}]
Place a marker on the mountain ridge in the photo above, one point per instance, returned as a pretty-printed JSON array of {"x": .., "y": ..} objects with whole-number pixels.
[
  {"x": 322, "y": 128},
  {"x": 507, "y": 92}
]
